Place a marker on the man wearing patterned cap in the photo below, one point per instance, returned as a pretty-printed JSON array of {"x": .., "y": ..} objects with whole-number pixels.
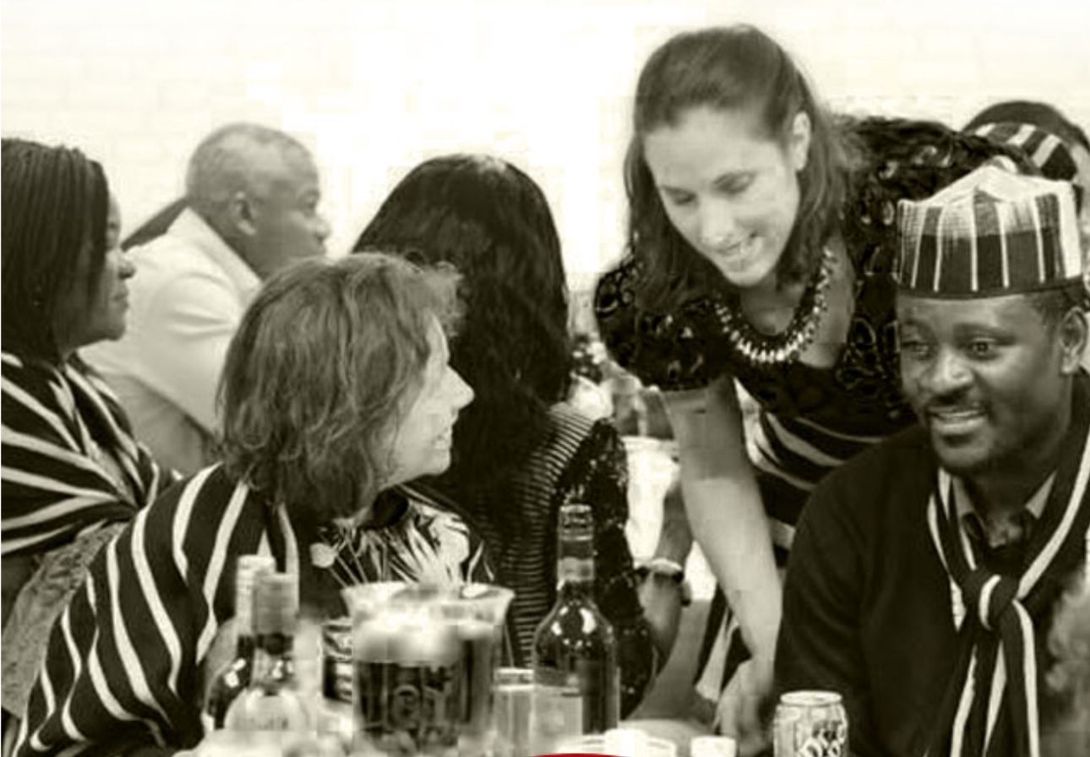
[{"x": 925, "y": 572}]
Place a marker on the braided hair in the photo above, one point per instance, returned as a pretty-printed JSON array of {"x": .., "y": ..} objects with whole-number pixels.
[{"x": 55, "y": 206}]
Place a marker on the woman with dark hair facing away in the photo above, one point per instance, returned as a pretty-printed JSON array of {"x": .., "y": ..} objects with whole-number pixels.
[
  {"x": 520, "y": 451},
  {"x": 314, "y": 477},
  {"x": 73, "y": 473},
  {"x": 761, "y": 233}
]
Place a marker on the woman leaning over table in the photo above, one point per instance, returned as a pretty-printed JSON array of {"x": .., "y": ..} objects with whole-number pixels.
[
  {"x": 316, "y": 478},
  {"x": 73, "y": 474},
  {"x": 761, "y": 234}
]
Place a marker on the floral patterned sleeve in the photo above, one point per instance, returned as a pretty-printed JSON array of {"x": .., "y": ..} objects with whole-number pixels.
[
  {"x": 598, "y": 476},
  {"x": 674, "y": 351}
]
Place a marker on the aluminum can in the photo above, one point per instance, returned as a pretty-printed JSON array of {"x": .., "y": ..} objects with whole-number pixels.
[{"x": 810, "y": 724}]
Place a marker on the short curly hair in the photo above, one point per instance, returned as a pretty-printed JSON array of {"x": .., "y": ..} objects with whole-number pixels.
[
  {"x": 727, "y": 68},
  {"x": 327, "y": 358}
]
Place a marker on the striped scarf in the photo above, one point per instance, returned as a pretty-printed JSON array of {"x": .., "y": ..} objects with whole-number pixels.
[
  {"x": 59, "y": 422},
  {"x": 991, "y": 705}
]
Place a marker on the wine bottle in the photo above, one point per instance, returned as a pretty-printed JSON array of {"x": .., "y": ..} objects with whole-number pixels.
[
  {"x": 576, "y": 678},
  {"x": 233, "y": 678},
  {"x": 272, "y": 701}
]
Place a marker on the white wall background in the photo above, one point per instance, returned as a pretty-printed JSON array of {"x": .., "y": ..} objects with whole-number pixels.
[{"x": 374, "y": 86}]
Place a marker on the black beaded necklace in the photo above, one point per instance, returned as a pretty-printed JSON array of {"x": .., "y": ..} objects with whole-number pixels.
[{"x": 762, "y": 350}]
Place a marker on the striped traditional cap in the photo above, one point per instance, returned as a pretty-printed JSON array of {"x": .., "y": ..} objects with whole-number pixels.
[
  {"x": 989, "y": 233},
  {"x": 1047, "y": 151}
]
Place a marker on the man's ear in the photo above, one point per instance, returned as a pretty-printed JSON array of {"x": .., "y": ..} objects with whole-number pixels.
[
  {"x": 240, "y": 214},
  {"x": 1073, "y": 332}
]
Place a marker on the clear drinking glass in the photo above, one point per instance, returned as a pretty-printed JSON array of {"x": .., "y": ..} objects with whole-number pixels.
[{"x": 512, "y": 710}]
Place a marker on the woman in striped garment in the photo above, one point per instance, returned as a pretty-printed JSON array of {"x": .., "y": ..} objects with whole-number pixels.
[
  {"x": 336, "y": 391},
  {"x": 521, "y": 450},
  {"x": 760, "y": 240},
  {"x": 73, "y": 474}
]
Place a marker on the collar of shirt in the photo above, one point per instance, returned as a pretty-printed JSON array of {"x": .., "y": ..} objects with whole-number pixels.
[
  {"x": 1012, "y": 530},
  {"x": 194, "y": 229}
]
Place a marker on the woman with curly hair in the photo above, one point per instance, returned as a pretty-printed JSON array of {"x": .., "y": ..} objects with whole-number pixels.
[
  {"x": 761, "y": 233},
  {"x": 521, "y": 451},
  {"x": 336, "y": 392},
  {"x": 73, "y": 473}
]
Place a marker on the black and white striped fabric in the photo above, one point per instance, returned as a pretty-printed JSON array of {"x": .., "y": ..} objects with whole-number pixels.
[
  {"x": 70, "y": 462},
  {"x": 123, "y": 665},
  {"x": 992, "y": 699},
  {"x": 1047, "y": 151},
  {"x": 991, "y": 232}
]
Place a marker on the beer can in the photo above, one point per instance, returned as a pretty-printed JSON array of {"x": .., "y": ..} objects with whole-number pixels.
[{"x": 810, "y": 724}]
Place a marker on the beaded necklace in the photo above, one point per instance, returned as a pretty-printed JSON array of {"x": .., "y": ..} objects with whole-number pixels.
[{"x": 762, "y": 350}]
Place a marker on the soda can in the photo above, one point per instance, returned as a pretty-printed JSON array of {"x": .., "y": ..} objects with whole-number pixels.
[{"x": 810, "y": 724}]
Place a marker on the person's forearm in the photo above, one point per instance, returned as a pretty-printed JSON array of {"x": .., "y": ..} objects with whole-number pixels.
[
  {"x": 730, "y": 525},
  {"x": 661, "y": 602},
  {"x": 676, "y": 537}
]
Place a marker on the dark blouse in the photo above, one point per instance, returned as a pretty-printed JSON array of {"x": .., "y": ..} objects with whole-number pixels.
[
  {"x": 811, "y": 419},
  {"x": 580, "y": 461}
]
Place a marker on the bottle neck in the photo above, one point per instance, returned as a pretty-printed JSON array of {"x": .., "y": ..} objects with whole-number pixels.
[
  {"x": 245, "y": 646},
  {"x": 273, "y": 659},
  {"x": 575, "y": 562}
]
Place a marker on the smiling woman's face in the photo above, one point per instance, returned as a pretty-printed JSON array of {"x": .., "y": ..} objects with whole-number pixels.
[
  {"x": 730, "y": 191},
  {"x": 422, "y": 441}
]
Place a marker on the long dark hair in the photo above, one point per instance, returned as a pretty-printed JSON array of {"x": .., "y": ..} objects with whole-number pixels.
[
  {"x": 736, "y": 67},
  {"x": 55, "y": 206},
  {"x": 492, "y": 222}
]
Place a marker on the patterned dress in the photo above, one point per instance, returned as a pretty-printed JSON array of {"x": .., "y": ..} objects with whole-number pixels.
[
  {"x": 810, "y": 419},
  {"x": 123, "y": 666}
]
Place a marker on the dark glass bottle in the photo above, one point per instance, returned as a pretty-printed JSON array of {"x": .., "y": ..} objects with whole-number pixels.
[
  {"x": 272, "y": 702},
  {"x": 233, "y": 678},
  {"x": 576, "y": 679}
]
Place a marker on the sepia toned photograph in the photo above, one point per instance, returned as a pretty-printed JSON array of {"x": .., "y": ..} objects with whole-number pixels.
[{"x": 515, "y": 378}]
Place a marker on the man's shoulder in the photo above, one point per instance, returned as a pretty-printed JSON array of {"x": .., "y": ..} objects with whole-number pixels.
[
  {"x": 878, "y": 480},
  {"x": 169, "y": 257}
]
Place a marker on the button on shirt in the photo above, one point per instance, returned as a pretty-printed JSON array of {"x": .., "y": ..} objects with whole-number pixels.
[{"x": 186, "y": 301}]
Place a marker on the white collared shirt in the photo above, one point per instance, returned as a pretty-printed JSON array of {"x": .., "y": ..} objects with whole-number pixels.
[{"x": 186, "y": 301}]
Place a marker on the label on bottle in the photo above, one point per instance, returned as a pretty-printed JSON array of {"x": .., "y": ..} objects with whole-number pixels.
[
  {"x": 575, "y": 570},
  {"x": 557, "y": 709}
]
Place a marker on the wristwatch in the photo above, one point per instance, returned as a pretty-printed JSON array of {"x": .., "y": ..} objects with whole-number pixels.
[{"x": 664, "y": 567}]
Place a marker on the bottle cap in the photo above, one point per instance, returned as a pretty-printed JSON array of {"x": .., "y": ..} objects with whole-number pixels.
[
  {"x": 576, "y": 517},
  {"x": 276, "y": 603},
  {"x": 247, "y": 569}
]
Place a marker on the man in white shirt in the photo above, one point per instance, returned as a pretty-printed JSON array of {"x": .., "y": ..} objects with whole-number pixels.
[{"x": 252, "y": 194}]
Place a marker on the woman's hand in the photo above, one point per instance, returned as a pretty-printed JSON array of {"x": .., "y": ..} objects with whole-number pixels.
[{"x": 740, "y": 713}]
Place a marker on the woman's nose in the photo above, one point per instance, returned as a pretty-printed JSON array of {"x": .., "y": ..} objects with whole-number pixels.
[{"x": 717, "y": 225}]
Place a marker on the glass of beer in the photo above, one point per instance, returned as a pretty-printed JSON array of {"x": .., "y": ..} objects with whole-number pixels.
[{"x": 423, "y": 658}]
